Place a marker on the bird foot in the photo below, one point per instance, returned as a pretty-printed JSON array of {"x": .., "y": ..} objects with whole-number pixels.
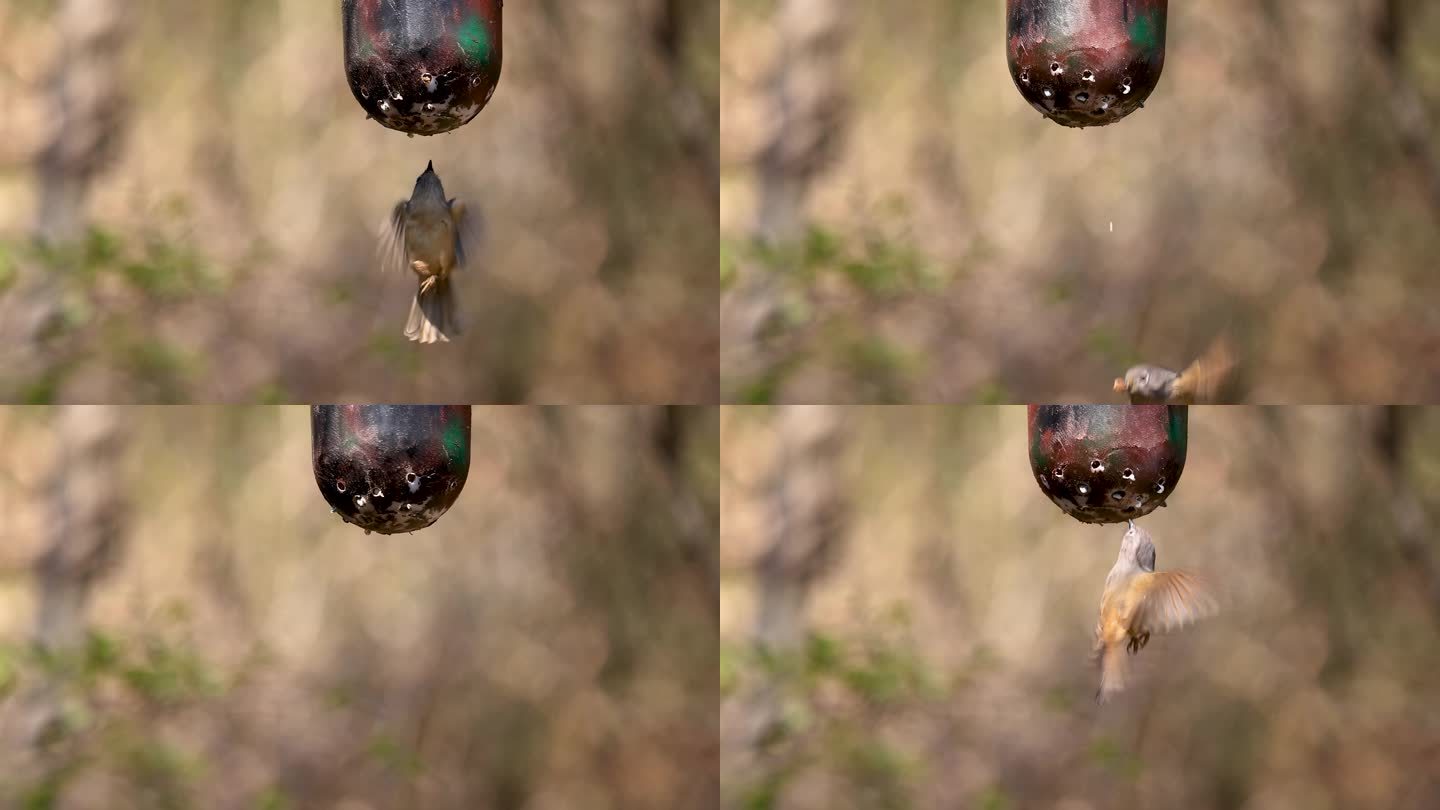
[
  {"x": 1137, "y": 643},
  {"x": 427, "y": 284}
]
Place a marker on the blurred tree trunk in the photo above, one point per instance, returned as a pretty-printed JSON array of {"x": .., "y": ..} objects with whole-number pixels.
[
  {"x": 87, "y": 106},
  {"x": 697, "y": 529},
  {"x": 808, "y": 110},
  {"x": 808, "y": 107},
  {"x": 88, "y": 518},
  {"x": 1390, "y": 436},
  {"x": 87, "y": 521},
  {"x": 696, "y": 121},
  {"x": 808, "y": 516},
  {"x": 1407, "y": 104}
]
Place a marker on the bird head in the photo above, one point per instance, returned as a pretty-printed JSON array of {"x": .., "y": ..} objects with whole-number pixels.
[
  {"x": 1138, "y": 547},
  {"x": 428, "y": 186}
]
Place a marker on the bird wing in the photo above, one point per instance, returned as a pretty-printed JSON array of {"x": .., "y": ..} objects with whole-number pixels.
[
  {"x": 469, "y": 230},
  {"x": 1170, "y": 600},
  {"x": 392, "y": 239},
  {"x": 1202, "y": 381}
]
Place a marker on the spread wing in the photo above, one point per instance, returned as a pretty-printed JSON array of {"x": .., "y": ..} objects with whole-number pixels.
[
  {"x": 392, "y": 239},
  {"x": 1172, "y": 599},
  {"x": 469, "y": 230},
  {"x": 1205, "y": 377}
]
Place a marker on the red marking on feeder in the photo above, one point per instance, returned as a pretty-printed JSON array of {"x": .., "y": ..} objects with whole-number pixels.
[
  {"x": 422, "y": 67},
  {"x": 1108, "y": 463},
  {"x": 390, "y": 468},
  {"x": 1085, "y": 63}
]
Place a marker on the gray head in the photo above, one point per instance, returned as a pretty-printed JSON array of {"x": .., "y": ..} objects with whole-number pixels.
[
  {"x": 427, "y": 185},
  {"x": 1146, "y": 380},
  {"x": 1137, "y": 546}
]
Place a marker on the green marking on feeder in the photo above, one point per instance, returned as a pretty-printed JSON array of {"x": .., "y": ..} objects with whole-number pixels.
[
  {"x": 457, "y": 442},
  {"x": 475, "y": 40},
  {"x": 1148, "y": 30},
  {"x": 1108, "y": 463}
]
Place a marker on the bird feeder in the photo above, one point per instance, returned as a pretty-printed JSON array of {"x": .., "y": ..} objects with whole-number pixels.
[
  {"x": 422, "y": 66},
  {"x": 1108, "y": 463},
  {"x": 1085, "y": 63},
  {"x": 390, "y": 468}
]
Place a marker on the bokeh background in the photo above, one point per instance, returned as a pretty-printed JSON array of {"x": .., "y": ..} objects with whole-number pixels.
[
  {"x": 183, "y": 623},
  {"x": 218, "y": 193},
  {"x": 898, "y": 225},
  {"x": 906, "y": 619}
]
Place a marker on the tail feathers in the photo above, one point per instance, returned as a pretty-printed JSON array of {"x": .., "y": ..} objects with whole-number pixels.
[
  {"x": 434, "y": 315},
  {"x": 1114, "y": 673}
]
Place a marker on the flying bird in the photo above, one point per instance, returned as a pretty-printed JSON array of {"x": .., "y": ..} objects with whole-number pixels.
[
  {"x": 428, "y": 235},
  {"x": 1200, "y": 382},
  {"x": 1138, "y": 601}
]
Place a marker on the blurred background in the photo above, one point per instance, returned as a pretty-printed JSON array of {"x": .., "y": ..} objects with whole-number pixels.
[
  {"x": 898, "y": 224},
  {"x": 211, "y": 194},
  {"x": 183, "y": 623},
  {"x": 906, "y": 619}
]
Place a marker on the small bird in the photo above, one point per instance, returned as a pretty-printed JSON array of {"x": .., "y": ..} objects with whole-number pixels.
[
  {"x": 1138, "y": 601},
  {"x": 1200, "y": 382},
  {"x": 427, "y": 235}
]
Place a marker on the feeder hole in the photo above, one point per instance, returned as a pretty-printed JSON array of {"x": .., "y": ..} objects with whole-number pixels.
[
  {"x": 1056, "y": 69},
  {"x": 411, "y": 478},
  {"x": 1082, "y": 96},
  {"x": 1084, "y": 490},
  {"x": 1096, "y": 465},
  {"x": 340, "y": 486},
  {"x": 1088, "y": 75},
  {"x": 1128, "y": 474},
  {"x": 1118, "y": 495}
]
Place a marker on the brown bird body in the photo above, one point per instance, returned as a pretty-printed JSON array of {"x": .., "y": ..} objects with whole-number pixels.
[
  {"x": 426, "y": 235},
  {"x": 1200, "y": 382},
  {"x": 1138, "y": 601}
]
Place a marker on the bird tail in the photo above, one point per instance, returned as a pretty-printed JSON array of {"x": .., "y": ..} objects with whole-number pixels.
[
  {"x": 1204, "y": 380},
  {"x": 1114, "y": 673},
  {"x": 434, "y": 315}
]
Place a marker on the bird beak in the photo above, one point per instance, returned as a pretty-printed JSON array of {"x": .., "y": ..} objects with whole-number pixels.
[
  {"x": 430, "y": 166},
  {"x": 1119, "y": 384}
]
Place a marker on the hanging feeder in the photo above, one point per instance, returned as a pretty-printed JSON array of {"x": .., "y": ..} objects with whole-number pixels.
[
  {"x": 390, "y": 468},
  {"x": 1108, "y": 463},
  {"x": 1085, "y": 63},
  {"x": 422, "y": 66}
]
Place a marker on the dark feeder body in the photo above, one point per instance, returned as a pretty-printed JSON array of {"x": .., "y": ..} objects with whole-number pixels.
[
  {"x": 1108, "y": 463},
  {"x": 1085, "y": 63},
  {"x": 422, "y": 66},
  {"x": 390, "y": 468}
]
